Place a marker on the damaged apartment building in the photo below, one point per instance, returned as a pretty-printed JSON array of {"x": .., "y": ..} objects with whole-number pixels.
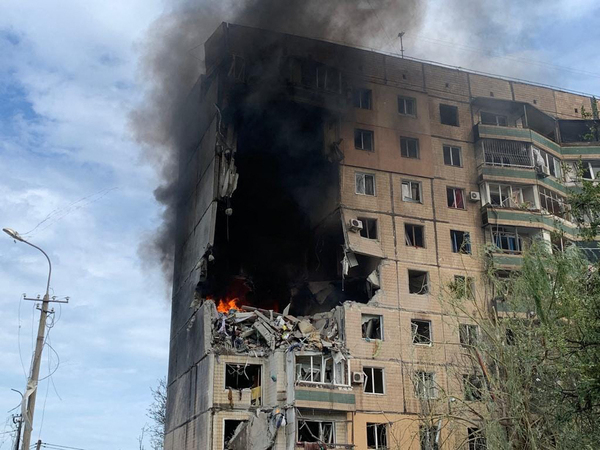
[{"x": 328, "y": 195}]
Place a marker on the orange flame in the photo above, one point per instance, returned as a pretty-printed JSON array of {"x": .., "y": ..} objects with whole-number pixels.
[{"x": 226, "y": 304}]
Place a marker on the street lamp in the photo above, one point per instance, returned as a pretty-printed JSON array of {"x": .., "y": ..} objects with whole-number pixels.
[
  {"x": 28, "y": 405},
  {"x": 401, "y": 35}
]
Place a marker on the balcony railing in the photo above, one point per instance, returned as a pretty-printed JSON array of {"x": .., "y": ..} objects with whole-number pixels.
[{"x": 507, "y": 153}]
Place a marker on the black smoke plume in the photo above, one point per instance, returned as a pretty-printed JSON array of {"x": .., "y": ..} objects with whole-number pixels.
[{"x": 172, "y": 61}]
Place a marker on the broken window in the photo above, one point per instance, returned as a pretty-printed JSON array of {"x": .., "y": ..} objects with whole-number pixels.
[
  {"x": 328, "y": 78},
  {"x": 369, "y": 227},
  {"x": 321, "y": 368},
  {"x": 455, "y": 198},
  {"x": 428, "y": 437},
  {"x": 411, "y": 191},
  {"x": 418, "y": 282},
  {"x": 421, "y": 331},
  {"x": 552, "y": 202},
  {"x": 229, "y": 428},
  {"x": 237, "y": 70},
  {"x": 377, "y": 435},
  {"x": 591, "y": 169},
  {"x": 409, "y": 147},
  {"x": 242, "y": 376},
  {"x": 449, "y": 115},
  {"x": 363, "y": 140},
  {"x": 468, "y": 334},
  {"x": 425, "y": 385},
  {"x": 473, "y": 387},
  {"x": 414, "y": 235},
  {"x": 505, "y": 196},
  {"x": 452, "y": 156},
  {"x": 362, "y": 98},
  {"x": 461, "y": 241},
  {"x": 464, "y": 287},
  {"x": 407, "y": 106},
  {"x": 498, "y": 120},
  {"x": 371, "y": 326},
  {"x": 507, "y": 239},
  {"x": 507, "y": 153},
  {"x": 373, "y": 383},
  {"x": 316, "y": 431},
  {"x": 365, "y": 183},
  {"x": 476, "y": 439}
]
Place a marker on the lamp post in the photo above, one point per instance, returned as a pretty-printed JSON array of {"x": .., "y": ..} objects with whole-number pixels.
[
  {"x": 28, "y": 406},
  {"x": 401, "y": 35}
]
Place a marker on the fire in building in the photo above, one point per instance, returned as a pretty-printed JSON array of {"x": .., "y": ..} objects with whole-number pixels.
[{"x": 328, "y": 195}]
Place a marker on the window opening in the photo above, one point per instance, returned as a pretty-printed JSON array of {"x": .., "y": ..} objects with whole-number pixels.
[
  {"x": 418, "y": 282},
  {"x": 552, "y": 202},
  {"x": 407, "y": 106},
  {"x": 369, "y": 229},
  {"x": 507, "y": 239},
  {"x": 371, "y": 326},
  {"x": 507, "y": 153},
  {"x": 468, "y": 334},
  {"x": 476, "y": 439},
  {"x": 455, "y": 198},
  {"x": 421, "y": 331},
  {"x": 428, "y": 437},
  {"x": 229, "y": 429},
  {"x": 505, "y": 196},
  {"x": 449, "y": 115},
  {"x": 498, "y": 120},
  {"x": 373, "y": 383},
  {"x": 473, "y": 387},
  {"x": 464, "y": 287},
  {"x": 411, "y": 191},
  {"x": 409, "y": 147},
  {"x": 461, "y": 242},
  {"x": 365, "y": 183},
  {"x": 377, "y": 435},
  {"x": 363, "y": 140},
  {"x": 425, "y": 385},
  {"x": 362, "y": 98},
  {"x": 316, "y": 431},
  {"x": 414, "y": 235},
  {"x": 452, "y": 156},
  {"x": 242, "y": 376},
  {"x": 321, "y": 369}
]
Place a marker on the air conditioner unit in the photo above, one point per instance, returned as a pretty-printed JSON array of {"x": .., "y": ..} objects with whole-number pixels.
[
  {"x": 358, "y": 377},
  {"x": 474, "y": 196},
  {"x": 356, "y": 225},
  {"x": 543, "y": 171}
]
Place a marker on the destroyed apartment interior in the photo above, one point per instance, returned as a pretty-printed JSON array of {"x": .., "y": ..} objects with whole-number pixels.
[{"x": 327, "y": 195}]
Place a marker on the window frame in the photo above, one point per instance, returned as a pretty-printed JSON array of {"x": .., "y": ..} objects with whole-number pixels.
[
  {"x": 466, "y": 247},
  {"x": 475, "y": 439},
  {"x": 426, "y": 292},
  {"x": 468, "y": 284},
  {"x": 472, "y": 392},
  {"x": 365, "y": 221},
  {"x": 428, "y": 392},
  {"x": 414, "y": 244},
  {"x": 357, "y": 94},
  {"x": 344, "y": 365},
  {"x": 320, "y": 437},
  {"x": 406, "y": 99},
  {"x": 407, "y": 140},
  {"x": 496, "y": 116},
  {"x": 378, "y": 445},
  {"x": 226, "y": 366},
  {"x": 429, "y": 432},
  {"x": 230, "y": 419},
  {"x": 414, "y": 332},
  {"x": 372, "y": 369},
  {"x": 364, "y": 175},
  {"x": 364, "y": 132},
  {"x": 369, "y": 317},
  {"x": 454, "y": 189},
  {"x": 410, "y": 184},
  {"x": 471, "y": 331},
  {"x": 451, "y": 148},
  {"x": 450, "y": 107}
]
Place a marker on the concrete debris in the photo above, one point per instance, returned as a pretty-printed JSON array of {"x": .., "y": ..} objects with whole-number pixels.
[
  {"x": 259, "y": 432},
  {"x": 260, "y": 332}
]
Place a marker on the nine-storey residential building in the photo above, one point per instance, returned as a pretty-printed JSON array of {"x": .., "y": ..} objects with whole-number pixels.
[{"x": 328, "y": 195}]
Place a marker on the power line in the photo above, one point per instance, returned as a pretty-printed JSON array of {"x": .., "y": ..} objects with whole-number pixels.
[{"x": 56, "y": 446}]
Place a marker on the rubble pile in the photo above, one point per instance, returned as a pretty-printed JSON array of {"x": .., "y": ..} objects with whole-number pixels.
[{"x": 252, "y": 330}]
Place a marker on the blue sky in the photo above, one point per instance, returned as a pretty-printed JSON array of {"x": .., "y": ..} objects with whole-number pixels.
[{"x": 69, "y": 75}]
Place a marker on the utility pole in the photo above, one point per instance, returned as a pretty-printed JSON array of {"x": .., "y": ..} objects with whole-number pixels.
[
  {"x": 401, "y": 35},
  {"x": 38, "y": 445},
  {"x": 28, "y": 405}
]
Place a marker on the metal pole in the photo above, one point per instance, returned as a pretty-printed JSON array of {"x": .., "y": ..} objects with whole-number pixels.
[
  {"x": 38, "y": 445},
  {"x": 18, "y": 440},
  {"x": 37, "y": 358}
]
